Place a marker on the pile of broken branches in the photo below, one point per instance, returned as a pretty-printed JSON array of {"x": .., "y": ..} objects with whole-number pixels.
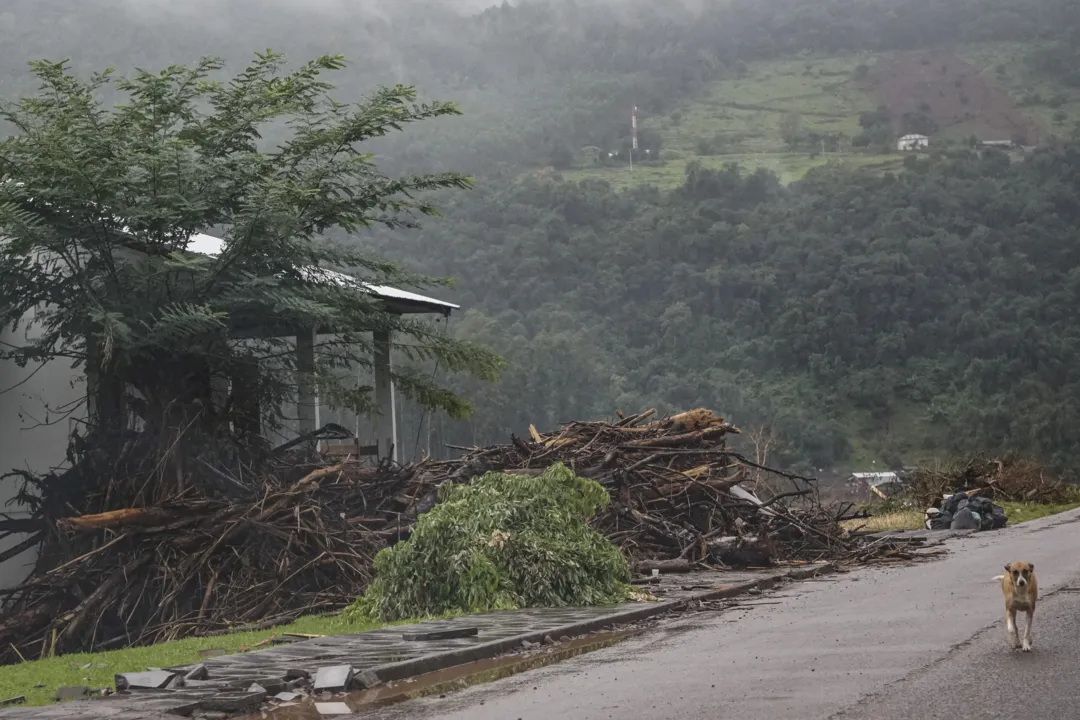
[
  {"x": 193, "y": 566},
  {"x": 677, "y": 491},
  {"x": 1008, "y": 478},
  {"x": 192, "y": 546}
]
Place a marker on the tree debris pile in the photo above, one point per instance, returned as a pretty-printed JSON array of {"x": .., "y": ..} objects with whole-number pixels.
[
  {"x": 1008, "y": 479},
  {"x": 676, "y": 491},
  {"x": 206, "y": 554},
  {"x": 173, "y": 542},
  {"x": 501, "y": 542}
]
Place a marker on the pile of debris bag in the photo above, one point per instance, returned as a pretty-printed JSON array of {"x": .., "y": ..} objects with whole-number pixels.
[{"x": 960, "y": 512}]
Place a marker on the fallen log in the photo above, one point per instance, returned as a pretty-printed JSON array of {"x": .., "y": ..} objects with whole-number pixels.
[
  {"x": 664, "y": 566},
  {"x": 682, "y": 439},
  {"x": 751, "y": 550},
  {"x": 111, "y": 519}
]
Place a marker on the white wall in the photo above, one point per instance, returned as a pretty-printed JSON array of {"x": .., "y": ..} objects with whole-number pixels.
[{"x": 33, "y": 433}]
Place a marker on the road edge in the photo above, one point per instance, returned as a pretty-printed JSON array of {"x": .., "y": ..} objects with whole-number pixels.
[{"x": 440, "y": 661}]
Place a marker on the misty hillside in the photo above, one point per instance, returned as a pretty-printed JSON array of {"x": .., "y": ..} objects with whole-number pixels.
[
  {"x": 539, "y": 80},
  {"x": 772, "y": 255}
]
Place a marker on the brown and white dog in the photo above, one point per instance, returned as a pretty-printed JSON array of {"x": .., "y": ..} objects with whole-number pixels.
[{"x": 1021, "y": 590}]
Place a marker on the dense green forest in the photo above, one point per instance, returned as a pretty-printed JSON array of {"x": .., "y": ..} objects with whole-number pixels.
[
  {"x": 911, "y": 313},
  {"x": 862, "y": 315}
]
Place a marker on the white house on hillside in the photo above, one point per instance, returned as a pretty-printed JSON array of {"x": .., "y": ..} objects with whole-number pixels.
[{"x": 912, "y": 142}]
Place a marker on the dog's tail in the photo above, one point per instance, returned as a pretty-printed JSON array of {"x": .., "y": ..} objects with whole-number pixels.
[{"x": 999, "y": 577}]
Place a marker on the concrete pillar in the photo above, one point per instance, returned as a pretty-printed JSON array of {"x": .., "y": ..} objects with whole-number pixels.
[
  {"x": 247, "y": 415},
  {"x": 307, "y": 398},
  {"x": 386, "y": 422}
]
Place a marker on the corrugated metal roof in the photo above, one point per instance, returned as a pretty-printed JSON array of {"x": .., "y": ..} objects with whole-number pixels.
[
  {"x": 210, "y": 245},
  {"x": 874, "y": 479}
]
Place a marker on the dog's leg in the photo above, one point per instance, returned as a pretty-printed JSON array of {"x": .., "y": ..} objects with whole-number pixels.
[
  {"x": 1027, "y": 631},
  {"x": 1010, "y": 626}
]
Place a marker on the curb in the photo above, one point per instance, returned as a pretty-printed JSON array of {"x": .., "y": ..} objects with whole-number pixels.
[{"x": 440, "y": 661}]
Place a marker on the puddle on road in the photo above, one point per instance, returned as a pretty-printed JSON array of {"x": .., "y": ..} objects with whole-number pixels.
[{"x": 450, "y": 679}]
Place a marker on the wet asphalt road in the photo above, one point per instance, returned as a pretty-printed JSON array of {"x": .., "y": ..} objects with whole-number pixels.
[
  {"x": 997, "y": 683},
  {"x": 918, "y": 641}
]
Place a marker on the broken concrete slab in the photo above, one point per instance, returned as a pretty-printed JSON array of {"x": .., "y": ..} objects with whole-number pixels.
[
  {"x": 175, "y": 703},
  {"x": 333, "y": 679},
  {"x": 197, "y": 672},
  {"x": 150, "y": 680},
  {"x": 333, "y": 708},
  {"x": 233, "y": 702},
  {"x": 271, "y": 685},
  {"x": 367, "y": 680},
  {"x": 288, "y": 696},
  {"x": 446, "y": 634}
]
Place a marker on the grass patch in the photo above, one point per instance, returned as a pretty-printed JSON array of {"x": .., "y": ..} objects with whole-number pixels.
[
  {"x": 740, "y": 121},
  {"x": 913, "y": 519},
  {"x": 96, "y": 670},
  {"x": 898, "y": 520},
  {"x": 745, "y": 113},
  {"x": 1022, "y": 512}
]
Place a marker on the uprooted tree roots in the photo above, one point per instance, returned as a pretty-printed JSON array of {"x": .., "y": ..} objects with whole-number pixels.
[{"x": 140, "y": 544}]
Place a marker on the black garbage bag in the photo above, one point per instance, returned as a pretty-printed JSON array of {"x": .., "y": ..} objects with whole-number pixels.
[
  {"x": 998, "y": 518},
  {"x": 941, "y": 521},
  {"x": 964, "y": 519},
  {"x": 957, "y": 502},
  {"x": 952, "y": 503},
  {"x": 981, "y": 505}
]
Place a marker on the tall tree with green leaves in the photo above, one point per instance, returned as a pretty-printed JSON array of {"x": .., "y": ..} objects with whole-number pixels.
[{"x": 99, "y": 205}]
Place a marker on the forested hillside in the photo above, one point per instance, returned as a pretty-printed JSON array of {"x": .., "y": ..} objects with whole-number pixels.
[
  {"x": 893, "y": 317},
  {"x": 539, "y": 80},
  {"x": 878, "y": 309}
]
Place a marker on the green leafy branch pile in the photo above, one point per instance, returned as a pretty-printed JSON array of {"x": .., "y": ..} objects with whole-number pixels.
[{"x": 498, "y": 543}]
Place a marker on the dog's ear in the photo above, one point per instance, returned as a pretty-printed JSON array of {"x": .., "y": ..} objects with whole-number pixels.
[
  {"x": 1007, "y": 568},
  {"x": 1031, "y": 566}
]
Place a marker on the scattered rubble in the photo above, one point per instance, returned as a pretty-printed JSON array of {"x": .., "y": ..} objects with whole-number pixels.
[
  {"x": 150, "y": 680},
  {"x": 333, "y": 679}
]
